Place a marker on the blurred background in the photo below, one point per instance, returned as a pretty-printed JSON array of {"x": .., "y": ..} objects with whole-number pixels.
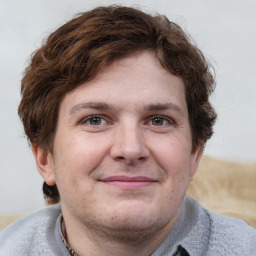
[{"x": 224, "y": 31}]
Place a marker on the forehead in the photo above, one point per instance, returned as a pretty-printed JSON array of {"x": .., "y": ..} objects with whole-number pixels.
[{"x": 137, "y": 80}]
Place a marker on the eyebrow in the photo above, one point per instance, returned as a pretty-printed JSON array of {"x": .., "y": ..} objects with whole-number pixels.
[
  {"x": 92, "y": 105},
  {"x": 166, "y": 106},
  {"x": 147, "y": 108}
]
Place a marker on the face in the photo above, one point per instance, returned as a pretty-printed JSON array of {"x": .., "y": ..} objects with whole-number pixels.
[{"x": 122, "y": 153}]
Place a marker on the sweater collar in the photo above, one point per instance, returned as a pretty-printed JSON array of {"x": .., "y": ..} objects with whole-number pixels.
[
  {"x": 191, "y": 231},
  {"x": 189, "y": 236}
]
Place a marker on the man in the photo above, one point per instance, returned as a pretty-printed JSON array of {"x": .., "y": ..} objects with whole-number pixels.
[{"x": 116, "y": 107}]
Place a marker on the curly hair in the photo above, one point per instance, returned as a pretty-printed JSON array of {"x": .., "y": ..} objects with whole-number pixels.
[{"x": 77, "y": 51}]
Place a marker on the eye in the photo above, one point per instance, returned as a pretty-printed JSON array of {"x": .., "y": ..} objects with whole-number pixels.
[
  {"x": 159, "y": 121},
  {"x": 94, "y": 120}
]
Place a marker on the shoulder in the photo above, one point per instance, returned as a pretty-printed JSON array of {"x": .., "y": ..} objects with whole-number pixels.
[
  {"x": 28, "y": 233},
  {"x": 222, "y": 235},
  {"x": 230, "y": 236}
]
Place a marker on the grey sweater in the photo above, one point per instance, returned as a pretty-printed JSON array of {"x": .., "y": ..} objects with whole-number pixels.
[{"x": 198, "y": 231}]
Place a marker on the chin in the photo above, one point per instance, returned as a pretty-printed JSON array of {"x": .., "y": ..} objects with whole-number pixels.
[
  {"x": 138, "y": 216},
  {"x": 127, "y": 220},
  {"x": 134, "y": 226}
]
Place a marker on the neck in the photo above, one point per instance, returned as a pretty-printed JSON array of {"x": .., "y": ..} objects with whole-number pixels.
[{"x": 87, "y": 241}]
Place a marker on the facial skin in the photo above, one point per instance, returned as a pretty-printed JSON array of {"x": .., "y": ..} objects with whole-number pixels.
[{"x": 122, "y": 157}]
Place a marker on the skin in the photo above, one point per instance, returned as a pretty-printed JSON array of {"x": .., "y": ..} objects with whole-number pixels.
[{"x": 122, "y": 158}]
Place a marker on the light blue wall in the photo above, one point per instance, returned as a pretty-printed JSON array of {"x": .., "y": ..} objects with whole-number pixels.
[{"x": 224, "y": 30}]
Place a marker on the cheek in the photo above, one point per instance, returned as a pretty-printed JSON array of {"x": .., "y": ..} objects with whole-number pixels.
[
  {"x": 174, "y": 159},
  {"x": 74, "y": 161},
  {"x": 79, "y": 154},
  {"x": 173, "y": 155}
]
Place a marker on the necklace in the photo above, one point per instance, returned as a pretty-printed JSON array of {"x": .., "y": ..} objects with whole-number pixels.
[{"x": 62, "y": 230}]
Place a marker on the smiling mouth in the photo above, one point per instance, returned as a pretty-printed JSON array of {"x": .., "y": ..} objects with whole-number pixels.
[{"x": 126, "y": 182}]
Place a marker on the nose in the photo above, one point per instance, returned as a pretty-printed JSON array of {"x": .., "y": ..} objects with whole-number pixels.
[{"x": 128, "y": 145}]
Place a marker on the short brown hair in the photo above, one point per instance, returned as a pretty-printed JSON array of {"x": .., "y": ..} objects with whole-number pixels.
[{"x": 77, "y": 51}]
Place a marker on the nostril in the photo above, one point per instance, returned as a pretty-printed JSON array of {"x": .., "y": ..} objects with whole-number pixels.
[
  {"x": 129, "y": 154},
  {"x": 130, "y": 161},
  {"x": 120, "y": 158}
]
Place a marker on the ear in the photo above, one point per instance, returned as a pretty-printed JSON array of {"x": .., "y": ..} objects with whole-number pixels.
[
  {"x": 195, "y": 159},
  {"x": 44, "y": 164}
]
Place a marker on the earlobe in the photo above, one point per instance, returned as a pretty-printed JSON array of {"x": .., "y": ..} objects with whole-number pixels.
[
  {"x": 195, "y": 159},
  {"x": 44, "y": 163}
]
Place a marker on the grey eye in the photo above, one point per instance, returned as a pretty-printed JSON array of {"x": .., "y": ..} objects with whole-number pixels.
[
  {"x": 158, "y": 121},
  {"x": 95, "y": 120}
]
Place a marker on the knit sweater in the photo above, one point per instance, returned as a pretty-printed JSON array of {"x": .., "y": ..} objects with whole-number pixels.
[{"x": 197, "y": 232}]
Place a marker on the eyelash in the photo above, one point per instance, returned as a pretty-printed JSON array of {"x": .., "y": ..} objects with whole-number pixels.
[
  {"x": 90, "y": 118},
  {"x": 166, "y": 121}
]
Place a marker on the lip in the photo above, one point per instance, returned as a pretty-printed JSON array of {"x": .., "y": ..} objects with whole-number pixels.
[{"x": 127, "y": 182}]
